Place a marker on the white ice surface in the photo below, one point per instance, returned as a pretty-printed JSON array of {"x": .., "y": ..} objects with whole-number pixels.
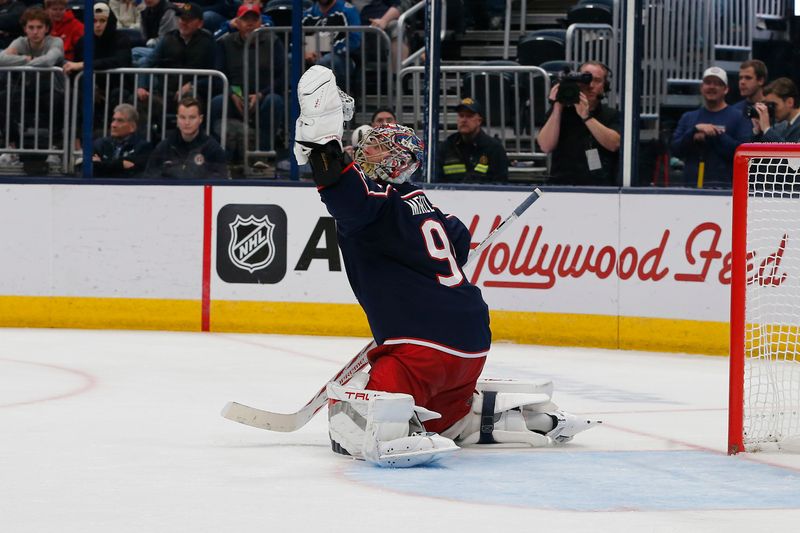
[{"x": 119, "y": 431}]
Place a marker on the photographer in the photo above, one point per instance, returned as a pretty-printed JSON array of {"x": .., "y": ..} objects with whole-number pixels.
[
  {"x": 706, "y": 138},
  {"x": 581, "y": 133},
  {"x": 779, "y": 108}
]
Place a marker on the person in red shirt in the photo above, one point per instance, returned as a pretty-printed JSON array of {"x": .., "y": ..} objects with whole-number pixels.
[{"x": 63, "y": 24}]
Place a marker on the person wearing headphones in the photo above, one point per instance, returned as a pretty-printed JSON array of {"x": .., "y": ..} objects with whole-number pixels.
[{"x": 583, "y": 137}]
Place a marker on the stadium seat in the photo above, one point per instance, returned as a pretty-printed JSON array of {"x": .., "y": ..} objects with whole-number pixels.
[
  {"x": 280, "y": 11},
  {"x": 487, "y": 88},
  {"x": 608, "y": 3},
  {"x": 536, "y": 47},
  {"x": 590, "y": 14}
]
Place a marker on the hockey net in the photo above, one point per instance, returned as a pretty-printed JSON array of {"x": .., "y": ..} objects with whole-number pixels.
[{"x": 764, "y": 408}]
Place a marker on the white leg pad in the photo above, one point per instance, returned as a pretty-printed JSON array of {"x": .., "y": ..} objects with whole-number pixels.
[
  {"x": 521, "y": 413},
  {"x": 533, "y": 386},
  {"x": 376, "y": 426}
]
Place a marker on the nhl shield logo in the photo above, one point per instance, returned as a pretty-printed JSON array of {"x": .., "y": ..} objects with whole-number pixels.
[{"x": 251, "y": 246}]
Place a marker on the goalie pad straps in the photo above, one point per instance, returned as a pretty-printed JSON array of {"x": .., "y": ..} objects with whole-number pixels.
[
  {"x": 327, "y": 162},
  {"x": 487, "y": 418}
]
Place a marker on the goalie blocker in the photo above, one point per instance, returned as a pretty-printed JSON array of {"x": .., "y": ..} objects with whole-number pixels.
[{"x": 387, "y": 429}]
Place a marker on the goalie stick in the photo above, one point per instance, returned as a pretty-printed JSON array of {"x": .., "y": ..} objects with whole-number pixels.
[{"x": 288, "y": 422}]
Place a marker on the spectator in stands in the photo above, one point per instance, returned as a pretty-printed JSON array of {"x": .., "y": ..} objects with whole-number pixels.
[
  {"x": 10, "y": 29},
  {"x": 230, "y": 25},
  {"x": 112, "y": 49},
  {"x": 383, "y": 14},
  {"x": 124, "y": 153},
  {"x": 188, "y": 153},
  {"x": 706, "y": 138},
  {"x": 128, "y": 13},
  {"x": 157, "y": 19},
  {"x": 382, "y": 116},
  {"x": 263, "y": 98},
  {"x": 752, "y": 78},
  {"x": 331, "y": 50},
  {"x": 470, "y": 155},
  {"x": 188, "y": 47},
  {"x": 583, "y": 137},
  {"x": 63, "y": 24},
  {"x": 783, "y": 95},
  {"x": 215, "y": 12},
  {"x": 35, "y": 49}
]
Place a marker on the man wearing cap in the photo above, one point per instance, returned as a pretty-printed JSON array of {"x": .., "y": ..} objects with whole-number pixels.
[
  {"x": 582, "y": 137},
  {"x": 188, "y": 47},
  {"x": 470, "y": 155},
  {"x": 706, "y": 138}
]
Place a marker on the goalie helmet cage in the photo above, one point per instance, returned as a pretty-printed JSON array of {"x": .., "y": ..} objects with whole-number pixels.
[{"x": 764, "y": 393}]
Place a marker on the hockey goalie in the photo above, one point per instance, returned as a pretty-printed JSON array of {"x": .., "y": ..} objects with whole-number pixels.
[{"x": 422, "y": 397}]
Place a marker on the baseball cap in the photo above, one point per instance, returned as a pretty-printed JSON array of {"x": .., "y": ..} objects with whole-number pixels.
[
  {"x": 244, "y": 9},
  {"x": 470, "y": 104},
  {"x": 717, "y": 73},
  {"x": 101, "y": 9},
  {"x": 189, "y": 11}
]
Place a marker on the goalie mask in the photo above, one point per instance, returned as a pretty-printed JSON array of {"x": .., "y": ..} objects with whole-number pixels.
[{"x": 390, "y": 153}]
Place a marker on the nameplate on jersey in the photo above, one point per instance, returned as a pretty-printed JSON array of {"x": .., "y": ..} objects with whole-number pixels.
[{"x": 419, "y": 205}]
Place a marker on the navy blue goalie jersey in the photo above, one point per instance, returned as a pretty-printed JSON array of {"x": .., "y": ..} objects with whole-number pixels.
[{"x": 403, "y": 258}]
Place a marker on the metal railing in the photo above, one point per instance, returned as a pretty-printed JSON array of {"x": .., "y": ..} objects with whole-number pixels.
[
  {"x": 653, "y": 82},
  {"x": 121, "y": 86},
  {"x": 770, "y": 9},
  {"x": 734, "y": 22},
  {"x": 514, "y": 97},
  {"x": 371, "y": 83},
  {"x": 30, "y": 100},
  {"x": 687, "y": 39},
  {"x": 414, "y": 56},
  {"x": 523, "y": 16},
  {"x": 595, "y": 42}
]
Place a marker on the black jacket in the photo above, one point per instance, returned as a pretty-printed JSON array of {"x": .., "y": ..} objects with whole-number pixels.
[
  {"x": 173, "y": 52},
  {"x": 10, "y": 28},
  {"x": 113, "y": 152},
  {"x": 202, "y": 158},
  {"x": 111, "y": 50},
  {"x": 482, "y": 160}
]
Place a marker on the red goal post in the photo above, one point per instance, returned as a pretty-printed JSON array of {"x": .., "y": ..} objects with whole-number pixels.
[{"x": 764, "y": 393}]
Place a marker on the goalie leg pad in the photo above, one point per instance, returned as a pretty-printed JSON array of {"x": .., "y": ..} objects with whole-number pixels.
[
  {"x": 516, "y": 412},
  {"x": 383, "y": 428}
]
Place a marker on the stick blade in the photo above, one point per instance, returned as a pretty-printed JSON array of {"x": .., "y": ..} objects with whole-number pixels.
[{"x": 257, "y": 418}]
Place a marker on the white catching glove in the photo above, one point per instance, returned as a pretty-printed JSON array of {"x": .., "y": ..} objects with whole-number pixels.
[{"x": 323, "y": 111}]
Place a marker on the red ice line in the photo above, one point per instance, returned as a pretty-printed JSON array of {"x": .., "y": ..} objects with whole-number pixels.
[{"x": 89, "y": 381}]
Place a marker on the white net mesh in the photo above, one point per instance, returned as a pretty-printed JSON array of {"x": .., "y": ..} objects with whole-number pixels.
[{"x": 772, "y": 303}]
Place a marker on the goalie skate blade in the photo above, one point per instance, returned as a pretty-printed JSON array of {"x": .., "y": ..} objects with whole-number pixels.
[{"x": 257, "y": 418}]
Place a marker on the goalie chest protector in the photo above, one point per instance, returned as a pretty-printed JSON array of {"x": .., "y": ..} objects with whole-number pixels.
[{"x": 403, "y": 258}]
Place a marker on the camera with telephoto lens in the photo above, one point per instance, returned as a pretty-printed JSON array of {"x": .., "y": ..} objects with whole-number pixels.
[
  {"x": 751, "y": 111},
  {"x": 569, "y": 91}
]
